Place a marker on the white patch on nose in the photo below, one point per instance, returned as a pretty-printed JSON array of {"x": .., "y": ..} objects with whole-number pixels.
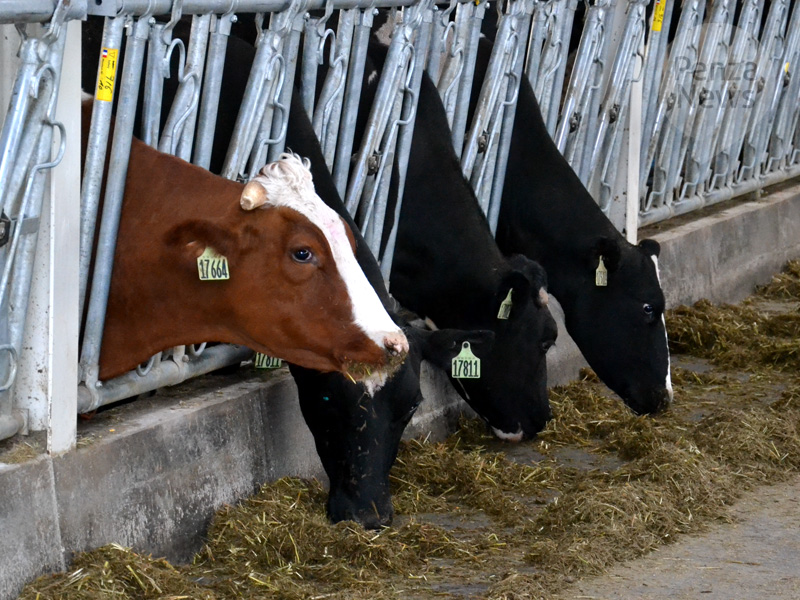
[
  {"x": 288, "y": 182},
  {"x": 668, "y": 384},
  {"x": 509, "y": 437}
]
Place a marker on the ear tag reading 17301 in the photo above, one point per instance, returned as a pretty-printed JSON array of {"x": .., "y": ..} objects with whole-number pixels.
[
  {"x": 505, "y": 307},
  {"x": 466, "y": 365},
  {"x": 601, "y": 275},
  {"x": 212, "y": 266},
  {"x": 265, "y": 361}
]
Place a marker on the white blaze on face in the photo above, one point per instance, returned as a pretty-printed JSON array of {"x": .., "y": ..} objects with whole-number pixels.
[
  {"x": 288, "y": 183},
  {"x": 664, "y": 323}
]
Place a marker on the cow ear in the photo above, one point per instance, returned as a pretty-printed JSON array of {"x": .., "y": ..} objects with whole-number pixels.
[
  {"x": 518, "y": 283},
  {"x": 609, "y": 249},
  {"x": 441, "y": 346},
  {"x": 191, "y": 238},
  {"x": 650, "y": 247}
]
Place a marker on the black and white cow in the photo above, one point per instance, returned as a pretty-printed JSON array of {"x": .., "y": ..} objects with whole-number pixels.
[
  {"x": 548, "y": 215},
  {"x": 448, "y": 268}
]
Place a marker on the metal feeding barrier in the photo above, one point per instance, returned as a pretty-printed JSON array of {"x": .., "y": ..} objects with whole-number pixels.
[
  {"x": 25, "y": 156},
  {"x": 716, "y": 82}
]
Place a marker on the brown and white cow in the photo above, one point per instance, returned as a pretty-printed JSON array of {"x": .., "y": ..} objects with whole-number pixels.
[{"x": 294, "y": 290}]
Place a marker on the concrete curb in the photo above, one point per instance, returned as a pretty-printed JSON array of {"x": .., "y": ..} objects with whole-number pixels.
[{"x": 152, "y": 473}]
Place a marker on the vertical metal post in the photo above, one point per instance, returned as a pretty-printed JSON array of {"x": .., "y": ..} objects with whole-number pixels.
[{"x": 112, "y": 204}]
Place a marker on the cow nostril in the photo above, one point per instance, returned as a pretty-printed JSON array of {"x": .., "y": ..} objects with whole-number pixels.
[{"x": 396, "y": 343}]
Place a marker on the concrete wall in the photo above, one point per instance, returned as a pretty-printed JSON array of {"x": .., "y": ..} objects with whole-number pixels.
[{"x": 150, "y": 474}]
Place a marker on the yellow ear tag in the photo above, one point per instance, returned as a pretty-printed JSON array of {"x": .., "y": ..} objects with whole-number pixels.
[
  {"x": 505, "y": 306},
  {"x": 212, "y": 266},
  {"x": 265, "y": 361},
  {"x": 466, "y": 365},
  {"x": 601, "y": 275}
]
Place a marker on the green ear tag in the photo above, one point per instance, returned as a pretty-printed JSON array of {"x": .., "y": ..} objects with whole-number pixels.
[
  {"x": 505, "y": 306},
  {"x": 466, "y": 365},
  {"x": 601, "y": 275},
  {"x": 212, "y": 266},
  {"x": 264, "y": 361}
]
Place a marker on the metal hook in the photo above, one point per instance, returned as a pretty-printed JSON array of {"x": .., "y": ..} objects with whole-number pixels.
[{"x": 175, "y": 17}]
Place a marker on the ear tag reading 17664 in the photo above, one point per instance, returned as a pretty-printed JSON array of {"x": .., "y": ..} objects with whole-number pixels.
[
  {"x": 264, "y": 361},
  {"x": 466, "y": 365},
  {"x": 212, "y": 266},
  {"x": 601, "y": 275},
  {"x": 505, "y": 307}
]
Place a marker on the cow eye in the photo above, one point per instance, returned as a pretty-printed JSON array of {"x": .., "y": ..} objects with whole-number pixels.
[
  {"x": 303, "y": 255},
  {"x": 547, "y": 345},
  {"x": 649, "y": 310}
]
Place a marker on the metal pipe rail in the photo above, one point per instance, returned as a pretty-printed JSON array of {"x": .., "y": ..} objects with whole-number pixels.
[{"x": 25, "y": 156}]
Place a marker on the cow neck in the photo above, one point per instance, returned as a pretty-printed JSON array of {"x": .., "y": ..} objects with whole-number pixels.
[
  {"x": 179, "y": 192},
  {"x": 457, "y": 265},
  {"x": 535, "y": 220}
]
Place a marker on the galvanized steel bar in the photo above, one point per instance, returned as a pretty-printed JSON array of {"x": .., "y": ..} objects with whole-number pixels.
[
  {"x": 409, "y": 99},
  {"x": 709, "y": 94},
  {"x": 780, "y": 139},
  {"x": 164, "y": 7},
  {"x": 673, "y": 106},
  {"x": 509, "y": 112},
  {"x": 112, "y": 203},
  {"x": 96, "y": 158},
  {"x": 471, "y": 17},
  {"x": 328, "y": 113},
  {"x": 155, "y": 72},
  {"x": 654, "y": 62},
  {"x": 606, "y": 148},
  {"x": 220, "y": 30},
  {"x": 740, "y": 91},
  {"x": 768, "y": 78},
  {"x": 23, "y": 203},
  {"x": 161, "y": 373},
  {"x": 40, "y": 11},
  {"x": 178, "y": 133},
  {"x": 352, "y": 95},
  {"x": 280, "y": 118}
]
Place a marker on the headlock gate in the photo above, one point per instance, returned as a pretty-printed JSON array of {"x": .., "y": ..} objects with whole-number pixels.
[{"x": 661, "y": 108}]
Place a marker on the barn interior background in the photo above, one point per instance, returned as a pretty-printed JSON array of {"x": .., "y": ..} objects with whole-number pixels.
[{"x": 661, "y": 108}]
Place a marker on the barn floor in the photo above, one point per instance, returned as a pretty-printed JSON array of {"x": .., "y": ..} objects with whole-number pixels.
[
  {"x": 598, "y": 489},
  {"x": 756, "y": 556}
]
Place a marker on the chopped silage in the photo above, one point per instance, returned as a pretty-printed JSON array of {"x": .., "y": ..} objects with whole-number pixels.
[{"x": 471, "y": 521}]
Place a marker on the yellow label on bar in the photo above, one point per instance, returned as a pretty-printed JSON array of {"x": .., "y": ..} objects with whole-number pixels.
[
  {"x": 658, "y": 15},
  {"x": 108, "y": 74}
]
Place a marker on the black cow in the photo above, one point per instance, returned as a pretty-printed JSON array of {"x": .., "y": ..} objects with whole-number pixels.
[
  {"x": 448, "y": 267},
  {"x": 548, "y": 215},
  {"x": 357, "y": 437}
]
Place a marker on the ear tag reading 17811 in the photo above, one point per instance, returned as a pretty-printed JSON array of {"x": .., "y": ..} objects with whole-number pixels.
[
  {"x": 601, "y": 275},
  {"x": 466, "y": 365},
  {"x": 264, "y": 361},
  {"x": 505, "y": 307},
  {"x": 212, "y": 266}
]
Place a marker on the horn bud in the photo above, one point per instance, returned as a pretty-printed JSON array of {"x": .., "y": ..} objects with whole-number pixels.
[
  {"x": 253, "y": 196},
  {"x": 543, "y": 297}
]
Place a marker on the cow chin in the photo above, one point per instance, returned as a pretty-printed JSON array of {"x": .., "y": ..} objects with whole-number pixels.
[
  {"x": 649, "y": 401},
  {"x": 342, "y": 507},
  {"x": 371, "y": 377}
]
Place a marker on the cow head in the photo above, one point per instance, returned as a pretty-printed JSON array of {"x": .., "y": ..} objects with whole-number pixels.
[
  {"x": 511, "y": 393},
  {"x": 620, "y": 326},
  {"x": 357, "y": 437},
  {"x": 295, "y": 289}
]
